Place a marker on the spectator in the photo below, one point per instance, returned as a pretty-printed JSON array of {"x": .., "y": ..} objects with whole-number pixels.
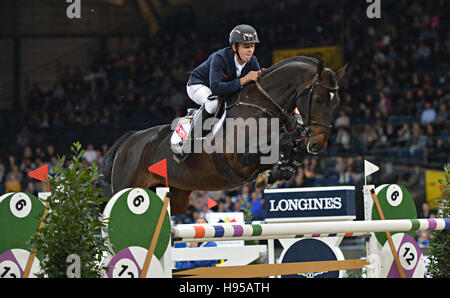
[
  {"x": 99, "y": 157},
  {"x": 201, "y": 200},
  {"x": 442, "y": 114},
  {"x": 340, "y": 166},
  {"x": 355, "y": 176},
  {"x": 379, "y": 123},
  {"x": 221, "y": 206},
  {"x": 430, "y": 137},
  {"x": 418, "y": 140},
  {"x": 27, "y": 165},
  {"x": 379, "y": 57},
  {"x": 12, "y": 183},
  {"x": 314, "y": 169},
  {"x": 409, "y": 106},
  {"x": 195, "y": 216},
  {"x": 245, "y": 193},
  {"x": 27, "y": 153},
  {"x": 426, "y": 212},
  {"x": 50, "y": 152},
  {"x": 392, "y": 55},
  {"x": 389, "y": 138},
  {"x": 227, "y": 203},
  {"x": 237, "y": 207},
  {"x": 369, "y": 103},
  {"x": 367, "y": 117},
  {"x": 384, "y": 104},
  {"x": 423, "y": 52},
  {"x": 256, "y": 207},
  {"x": 404, "y": 135},
  {"x": 31, "y": 188},
  {"x": 349, "y": 175},
  {"x": 90, "y": 155},
  {"x": 423, "y": 238},
  {"x": 369, "y": 137},
  {"x": 428, "y": 114},
  {"x": 16, "y": 171},
  {"x": 343, "y": 139},
  {"x": 342, "y": 121}
]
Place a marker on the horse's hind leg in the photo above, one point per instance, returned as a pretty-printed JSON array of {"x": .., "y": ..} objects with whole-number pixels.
[{"x": 179, "y": 200}]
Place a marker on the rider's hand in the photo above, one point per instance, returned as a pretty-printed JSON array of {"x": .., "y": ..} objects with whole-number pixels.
[{"x": 251, "y": 76}]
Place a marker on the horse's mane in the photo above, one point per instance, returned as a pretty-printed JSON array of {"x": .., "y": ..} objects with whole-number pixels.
[{"x": 303, "y": 59}]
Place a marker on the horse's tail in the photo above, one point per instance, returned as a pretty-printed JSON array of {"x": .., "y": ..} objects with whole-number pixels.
[{"x": 105, "y": 167}]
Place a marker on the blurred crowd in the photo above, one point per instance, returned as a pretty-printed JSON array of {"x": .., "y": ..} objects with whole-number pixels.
[{"x": 394, "y": 100}]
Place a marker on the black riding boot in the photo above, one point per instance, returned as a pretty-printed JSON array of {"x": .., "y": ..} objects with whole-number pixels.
[{"x": 197, "y": 125}]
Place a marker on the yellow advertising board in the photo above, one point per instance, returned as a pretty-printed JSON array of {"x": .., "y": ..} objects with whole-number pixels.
[
  {"x": 332, "y": 55},
  {"x": 433, "y": 187}
]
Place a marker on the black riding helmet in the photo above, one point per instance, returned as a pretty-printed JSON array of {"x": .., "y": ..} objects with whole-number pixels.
[{"x": 243, "y": 34}]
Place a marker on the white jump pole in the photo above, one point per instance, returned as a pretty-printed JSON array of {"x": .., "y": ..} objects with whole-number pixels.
[{"x": 220, "y": 231}]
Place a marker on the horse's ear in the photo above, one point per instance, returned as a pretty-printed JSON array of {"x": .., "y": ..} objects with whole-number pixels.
[{"x": 340, "y": 73}]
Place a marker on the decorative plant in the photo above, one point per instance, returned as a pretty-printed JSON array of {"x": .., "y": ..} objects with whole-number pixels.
[
  {"x": 73, "y": 224},
  {"x": 440, "y": 243}
]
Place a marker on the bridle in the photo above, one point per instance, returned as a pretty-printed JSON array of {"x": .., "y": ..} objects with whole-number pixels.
[{"x": 307, "y": 86}]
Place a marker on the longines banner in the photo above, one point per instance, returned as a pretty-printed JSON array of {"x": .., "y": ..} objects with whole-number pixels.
[
  {"x": 332, "y": 55},
  {"x": 309, "y": 202}
]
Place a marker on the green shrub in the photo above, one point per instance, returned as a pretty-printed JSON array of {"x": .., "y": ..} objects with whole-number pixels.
[
  {"x": 440, "y": 243},
  {"x": 73, "y": 225}
]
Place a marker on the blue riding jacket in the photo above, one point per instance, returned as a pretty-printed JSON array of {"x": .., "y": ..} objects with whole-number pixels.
[{"x": 219, "y": 72}]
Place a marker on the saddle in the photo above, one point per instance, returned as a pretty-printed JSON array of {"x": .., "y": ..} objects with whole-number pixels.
[{"x": 189, "y": 128}]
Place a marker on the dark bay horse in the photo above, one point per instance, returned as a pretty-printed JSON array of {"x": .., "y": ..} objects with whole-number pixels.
[{"x": 300, "y": 82}]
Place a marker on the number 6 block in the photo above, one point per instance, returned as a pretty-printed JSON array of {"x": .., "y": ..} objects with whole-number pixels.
[{"x": 19, "y": 220}]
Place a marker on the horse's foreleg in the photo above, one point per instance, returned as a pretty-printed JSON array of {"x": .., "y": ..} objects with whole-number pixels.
[{"x": 179, "y": 200}]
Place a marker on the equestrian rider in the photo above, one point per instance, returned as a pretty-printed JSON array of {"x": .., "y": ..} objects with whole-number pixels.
[{"x": 226, "y": 70}]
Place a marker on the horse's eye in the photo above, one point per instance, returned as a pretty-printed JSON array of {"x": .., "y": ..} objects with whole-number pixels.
[{"x": 319, "y": 100}]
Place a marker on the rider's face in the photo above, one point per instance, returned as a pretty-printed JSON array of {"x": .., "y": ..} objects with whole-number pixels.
[{"x": 245, "y": 51}]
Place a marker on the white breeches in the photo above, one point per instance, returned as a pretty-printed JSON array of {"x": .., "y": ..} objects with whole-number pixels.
[{"x": 199, "y": 93}]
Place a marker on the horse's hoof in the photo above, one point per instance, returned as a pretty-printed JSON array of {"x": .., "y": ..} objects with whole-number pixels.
[
  {"x": 177, "y": 160},
  {"x": 262, "y": 179}
]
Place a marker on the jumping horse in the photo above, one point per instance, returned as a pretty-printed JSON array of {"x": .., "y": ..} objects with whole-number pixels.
[{"x": 298, "y": 82}]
